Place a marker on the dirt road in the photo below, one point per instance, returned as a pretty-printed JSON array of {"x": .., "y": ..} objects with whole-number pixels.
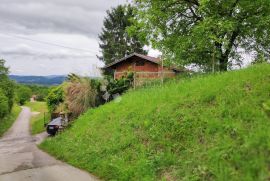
[{"x": 21, "y": 160}]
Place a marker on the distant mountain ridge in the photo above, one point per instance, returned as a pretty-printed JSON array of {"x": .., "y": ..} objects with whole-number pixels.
[{"x": 41, "y": 80}]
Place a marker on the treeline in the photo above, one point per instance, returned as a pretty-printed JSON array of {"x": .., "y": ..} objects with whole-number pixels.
[
  {"x": 24, "y": 92},
  {"x": 12, "y": 93}
]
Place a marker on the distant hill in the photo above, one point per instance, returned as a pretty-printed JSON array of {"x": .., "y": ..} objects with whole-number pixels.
[{"x": 41, "y": 80}]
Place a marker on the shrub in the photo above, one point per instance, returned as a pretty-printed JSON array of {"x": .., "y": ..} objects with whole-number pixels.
[
  {"x": 118, "y": 86},
  {"x": 4, "y": 108},
  {"x": 55, "y": 97},
  {"x": 6, "y": 85},
  {"x": 23, "y": 94}
]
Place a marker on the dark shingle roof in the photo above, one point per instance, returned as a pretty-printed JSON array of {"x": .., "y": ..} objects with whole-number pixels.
[{"x": 151, "y": 59}]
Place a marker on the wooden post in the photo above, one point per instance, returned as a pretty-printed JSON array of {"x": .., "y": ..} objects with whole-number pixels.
[
  {"x": 162, "y": 76},
  {"x": 214, "y": 60},
  {"x": 44, "y": 117},
  {"x": 134, "y": 80}
]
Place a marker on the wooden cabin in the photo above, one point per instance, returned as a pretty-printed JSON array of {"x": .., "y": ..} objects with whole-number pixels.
[{"x": 143, "y": 66}]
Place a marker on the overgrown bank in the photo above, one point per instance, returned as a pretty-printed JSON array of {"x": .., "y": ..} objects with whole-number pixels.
[
  {"x": 215, "y": 127},
  {"x": 6, "y": 122},
  {"x": 38, "y": 109}
]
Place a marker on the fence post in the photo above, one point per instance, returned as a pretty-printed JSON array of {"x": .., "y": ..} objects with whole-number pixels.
[
  {"x": 162, "y": 76},
  {"x": 44, "y": 117},
  {"x": 134, "y": 81}
]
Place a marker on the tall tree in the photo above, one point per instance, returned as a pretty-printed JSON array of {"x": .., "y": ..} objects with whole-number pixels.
[
  {"x": 208, "y": 33},
  {"x": 115, "y": 42},
  {"x": 6, "y": 85}
]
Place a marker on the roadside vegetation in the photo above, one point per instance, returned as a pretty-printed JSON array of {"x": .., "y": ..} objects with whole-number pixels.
[
  {"x": 8, "y": 108},
  {"x": 7, "y": 121},
  {"x": 38, "y": 110},
  {"x": 211, "y": 127},
  {"x": 13, "y": 94}
]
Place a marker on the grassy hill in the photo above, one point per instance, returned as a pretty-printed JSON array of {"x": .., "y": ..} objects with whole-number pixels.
[{"x": 213, "y": 127}]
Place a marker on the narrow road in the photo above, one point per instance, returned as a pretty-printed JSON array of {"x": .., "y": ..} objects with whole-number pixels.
[{"x": 21, "y": 160}]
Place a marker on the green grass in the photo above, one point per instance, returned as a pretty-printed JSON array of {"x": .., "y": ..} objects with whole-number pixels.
[
  {"x": 212, "y": 127},
  {"x": 37, "y": 121},
  {"x": 7, "y": 122}
]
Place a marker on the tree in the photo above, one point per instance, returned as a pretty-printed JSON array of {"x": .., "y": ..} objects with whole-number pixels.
[
  {"x": 208, "y": 33},
  {"x": 3, "y": 70},
  {"x": 6, "y": 85},
  {"x": 55, "y": 98},
  {"x": 115, "y": 42},
  {"x": 23, "y": 94},
  {"x": 4, "y": 108}
]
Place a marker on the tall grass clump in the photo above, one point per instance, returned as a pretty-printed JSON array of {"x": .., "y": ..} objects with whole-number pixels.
[{"x": 80, "y": 95}]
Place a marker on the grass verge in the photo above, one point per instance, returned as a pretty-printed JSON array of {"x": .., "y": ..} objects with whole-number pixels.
[
  {"x": 7, "y": 122},
  {"x": 213, "y": 127},
  {"x": 37, "y": 120}
]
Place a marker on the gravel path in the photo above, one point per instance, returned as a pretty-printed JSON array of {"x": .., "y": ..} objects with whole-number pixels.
[{"x": 21, "y": 160}]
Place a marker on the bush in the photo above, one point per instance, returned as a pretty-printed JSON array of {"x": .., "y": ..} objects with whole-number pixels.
[
  {"x": 4, "y": 108},
  {"x": 118, "y": 86},
  {"x": 55, "y": 98},
  {"x": 23, "y": 94},
  {"x": 6, "y": 85}
]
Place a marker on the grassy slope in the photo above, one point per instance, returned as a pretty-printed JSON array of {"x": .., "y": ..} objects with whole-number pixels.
[
  {"x": 37, "y": 121},
  {"x": 215, "y": 127},
  {"x": 7, "y": 122}
]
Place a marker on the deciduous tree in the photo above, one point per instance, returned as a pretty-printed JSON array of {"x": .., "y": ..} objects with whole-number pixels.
[{"x": 209, "y": 33}]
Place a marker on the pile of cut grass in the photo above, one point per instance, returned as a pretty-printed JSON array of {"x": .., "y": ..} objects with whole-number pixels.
[
  {"x": 37, "y": 121},
  {"x": 7, "y": 122},
  {"x": 213, "y": 127}
]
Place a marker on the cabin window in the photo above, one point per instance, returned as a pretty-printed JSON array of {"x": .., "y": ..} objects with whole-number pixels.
[{"x": 140, "y": 63}]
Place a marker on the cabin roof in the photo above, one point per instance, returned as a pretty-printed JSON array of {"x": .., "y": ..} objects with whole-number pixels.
[{"x": 145, "y": 57}]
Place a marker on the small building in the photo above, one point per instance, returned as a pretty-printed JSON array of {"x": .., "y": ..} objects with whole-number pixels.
[{"x": 143, "y": 66}]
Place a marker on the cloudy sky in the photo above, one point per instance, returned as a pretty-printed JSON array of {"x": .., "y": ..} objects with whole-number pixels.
[{"x": 52, "y": 37}]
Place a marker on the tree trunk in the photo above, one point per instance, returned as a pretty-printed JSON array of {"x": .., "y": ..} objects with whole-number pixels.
[
  {"x": 223, "y": 64},
  {"x": 224, "y": 58}
]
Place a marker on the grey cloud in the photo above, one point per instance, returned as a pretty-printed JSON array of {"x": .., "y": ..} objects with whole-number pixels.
[
  {"x": 24, "y": 50},
  {"x": 61, "y": 16},
  {"x": 70, "y": 23}
]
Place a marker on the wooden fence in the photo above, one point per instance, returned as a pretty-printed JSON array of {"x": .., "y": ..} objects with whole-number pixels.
[{"x": 143, "y": 79}]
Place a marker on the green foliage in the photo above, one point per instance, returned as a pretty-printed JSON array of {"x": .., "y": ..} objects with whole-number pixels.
[
  {"x": 211, "y": 127},
  {"x": 23, "y": 94},
  {"x": 4, "y": 108},
  {"x": 7, "y": 121},
  {"x": 121, "y": 85},
  {"x": 260, "y": 59},
  {"x": 208, "y": 33},
  {"x": 7, "y": 114},
  {"x": 6, "y": 87},
  {"x": 115, "y": 41},
  {"x": 3, "y": 69},
  {"x": 55, "y": 98},
  {"x": 40, "y": 92}
]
